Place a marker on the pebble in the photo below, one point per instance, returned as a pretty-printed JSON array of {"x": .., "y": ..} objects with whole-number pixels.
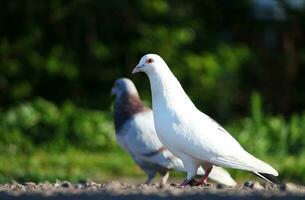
[
  {"x": 79, "y": 186},
  {"x": 257, "y": 186},
  {"x": 118, "y": 188},
  {"x": 93, "y": 185},
  {"x": 143, "y": 186},
  {"x": 248, "y": 184},
  {"x": 283, "y": 186},
  {"x": 114, "y": 185},
  {"x": 220, "y": 186},
  {"x": 56, "y": 185},
  {"x": 289, "y": 187},
  {"x": 253, "y": 185},
  {"x": 66, "y": 184},
  {"x": 31, "y": 184}
]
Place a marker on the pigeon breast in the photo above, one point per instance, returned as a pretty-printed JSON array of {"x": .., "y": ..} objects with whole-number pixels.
[{"x": 125, "y": 108}]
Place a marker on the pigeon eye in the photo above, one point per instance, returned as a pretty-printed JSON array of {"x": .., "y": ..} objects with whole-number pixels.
[{"x": 150, "y": 60}]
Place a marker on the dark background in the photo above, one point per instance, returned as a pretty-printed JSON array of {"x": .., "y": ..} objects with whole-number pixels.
[
  {"x": 221, "y": 51},
  {"x": 241, "y": 61}
]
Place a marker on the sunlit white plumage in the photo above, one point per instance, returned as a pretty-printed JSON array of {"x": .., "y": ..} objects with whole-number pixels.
[
  {"x": 135, "y": 132},
  {"x": 187, "y": 132}
]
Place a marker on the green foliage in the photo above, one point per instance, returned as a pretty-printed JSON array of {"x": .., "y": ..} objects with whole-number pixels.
[
  {"x": 270, "y": 135},
  {"x": 48, "y": 142},
  {"x": 217, "y": 78},
  {"x": 74, "y": 50},
  {"x": 73, "y": 165},
  {"x": 277, "y": 140},
  {"x": 42, "y": 124}
]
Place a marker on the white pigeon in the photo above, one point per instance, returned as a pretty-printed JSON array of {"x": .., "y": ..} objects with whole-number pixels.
[
  {"x": 135, "y": 132},
  {"x": 188, "y": 133}
]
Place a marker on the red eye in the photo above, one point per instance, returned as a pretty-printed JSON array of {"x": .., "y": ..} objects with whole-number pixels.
[{"x": 150, "y": 60}]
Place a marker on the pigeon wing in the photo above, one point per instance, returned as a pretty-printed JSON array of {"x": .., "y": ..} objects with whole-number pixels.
[
  {"x": 220, "y": 148},
  {"x": 142, "y": 141}
]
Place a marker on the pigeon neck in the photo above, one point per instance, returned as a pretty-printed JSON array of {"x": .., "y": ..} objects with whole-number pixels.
[
  {"x": 125, "y": 108},
  {"x": 167, "y": 91}
]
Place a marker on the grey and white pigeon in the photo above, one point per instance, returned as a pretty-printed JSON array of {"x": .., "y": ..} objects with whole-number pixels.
[
  {"x": 188, "y": 133},
  {"x": 135, "y": 132}
]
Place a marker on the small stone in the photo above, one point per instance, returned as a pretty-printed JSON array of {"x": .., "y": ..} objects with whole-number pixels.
[
  {"x": 79, "y": 186},
  {"x": 131, "y": 187},
  {"x": 220, "y": 186},
  {"x": 290, "y": 187},
  {"x": 114, "y": 185},
  {"x": 56, "y": 185},
  {"x": 13, "y": 187},
  {"x": 249, "y": 184},
  {"x": 257, "y": 186},
  {"x": 44, "y": 186},
  {"x": 92, "y": 184},
  {"x": 66, "y": 184},
  {"x": 265, "y": 185},
  {"x": 283, "y": 187},
  {"x": 162, "y": 186},
  {"x": 143, "y": 186},
  {"x": 184, "y": 186},
  {"x": 207, "y": 185},
  {"x": 31, "y": 184}
]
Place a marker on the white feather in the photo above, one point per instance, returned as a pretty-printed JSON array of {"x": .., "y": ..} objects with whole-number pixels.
[
  {"x": 138, "y": 137},
  {"x": 188, "y": 133}
]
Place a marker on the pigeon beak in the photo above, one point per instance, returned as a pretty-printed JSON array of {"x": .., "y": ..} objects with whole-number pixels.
[{"x": 137, "y": 69}]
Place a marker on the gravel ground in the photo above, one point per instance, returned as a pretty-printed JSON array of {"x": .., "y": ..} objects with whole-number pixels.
[{"x": 116, "y": 191}]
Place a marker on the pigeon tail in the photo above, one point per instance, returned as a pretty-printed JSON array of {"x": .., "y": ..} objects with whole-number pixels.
[
  {"x": 263, "y": 167},
  {"x": 268, "y": 177}
]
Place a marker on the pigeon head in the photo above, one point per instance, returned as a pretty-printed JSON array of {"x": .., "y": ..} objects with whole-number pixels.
[
  {"x": 127, "y": 102},
  {"x": 150, "y": 63},
  {"x": 124, "y": 87}
]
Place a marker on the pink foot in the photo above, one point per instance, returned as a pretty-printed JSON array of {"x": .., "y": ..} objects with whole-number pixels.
[{"x": 203, "y": 181}]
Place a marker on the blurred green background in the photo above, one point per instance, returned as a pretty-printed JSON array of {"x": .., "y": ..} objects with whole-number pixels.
[{"x": 242, "y": 62}]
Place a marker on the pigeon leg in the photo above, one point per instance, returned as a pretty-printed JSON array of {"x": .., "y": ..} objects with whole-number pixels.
[
  {"x": 204, "y": 179},
  {"x": 164, "y": 179},
  {"x": 191, "y": 166},
  {"x": 150, "y": 177}
]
